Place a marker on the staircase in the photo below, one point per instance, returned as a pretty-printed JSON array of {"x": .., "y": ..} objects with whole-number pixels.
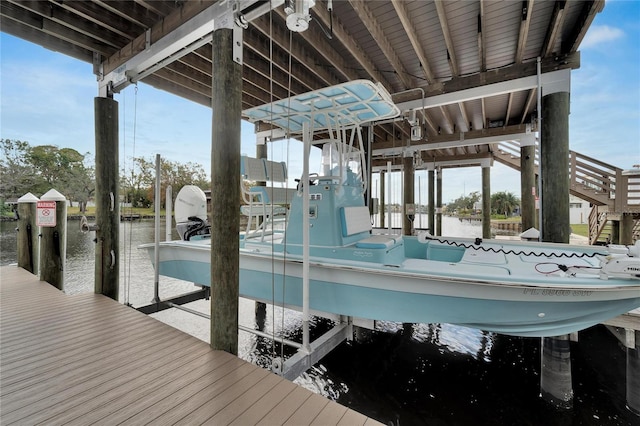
[{"x": 611, "y": 191}]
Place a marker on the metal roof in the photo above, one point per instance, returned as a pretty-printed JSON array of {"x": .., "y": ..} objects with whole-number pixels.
[{"x": 409, "y": 47}]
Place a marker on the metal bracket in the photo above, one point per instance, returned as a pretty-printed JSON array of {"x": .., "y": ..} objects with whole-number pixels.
[{"x": 238, "y": 40}]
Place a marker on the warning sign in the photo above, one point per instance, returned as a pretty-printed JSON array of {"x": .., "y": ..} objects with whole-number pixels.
[{"x": 46, "y": 213}]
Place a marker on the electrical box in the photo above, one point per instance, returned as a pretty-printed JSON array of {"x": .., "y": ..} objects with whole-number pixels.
[{"x": 416, "y": 133}]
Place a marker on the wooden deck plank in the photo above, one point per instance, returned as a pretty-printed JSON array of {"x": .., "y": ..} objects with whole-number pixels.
[
  {"x": 60, "y": 364},
  {"x": 103, "y": 401},
  {"x": 243, "y": 402},
  {"x": 257, "y": 411},
  {"x": 308, "y": 411},
  {"x": 214, "y": 381},
  {"x": 330, "y": 414},
  {"x": 75, "y": 362},
  {"x": 132, "y": 410},
  {"x": 284, "y": 409},
  {"x": 71, "y": 338},
  {"x": 53, "y": 391},
  {"x": 352, "y": 418},
  {"x": 211, "y": 399},
  {"x": 39, "y": 360}
]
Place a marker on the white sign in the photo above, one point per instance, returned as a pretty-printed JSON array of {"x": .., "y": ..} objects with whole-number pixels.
[{"x": 46, "y": 213}]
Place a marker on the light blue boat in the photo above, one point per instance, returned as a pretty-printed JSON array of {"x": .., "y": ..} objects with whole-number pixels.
[{"x": 510, "y": 287}]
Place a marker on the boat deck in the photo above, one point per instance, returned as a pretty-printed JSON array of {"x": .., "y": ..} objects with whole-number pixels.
[{"x": 86, "y": 359}]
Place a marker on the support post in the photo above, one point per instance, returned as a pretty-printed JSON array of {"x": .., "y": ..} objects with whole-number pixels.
[
  {"x": 53, "y": 245},
  {"x": 28, "y": 243},
  {"x": 225, "y": 192},
  {"x": 633, "y": 376},
  {"x": 409, "y": 196},
  {"x": 626, "y": 229},
  {"x": 555, "y": 171},
  {"x": 382, "y": 200},
  {"x": 439, "y": 202},
  {"x": 107, "y": 269},
  {"x": 261, "y": 307},
  {"x": 432, "y": 202},
  {"x": 555, "y": 377},
  {"x": 486, "y": 202},
  {"x": 168, "y": 201},
  {"x": 615, "y": 232},
  {"x": 528, "y": 187}
]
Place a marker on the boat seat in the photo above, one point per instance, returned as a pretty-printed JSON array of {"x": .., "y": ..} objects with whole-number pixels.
[
  {"x": 378, "y": 242},
  {"x": 267, "y": 201},
  {"x": 355, "y": 220}
]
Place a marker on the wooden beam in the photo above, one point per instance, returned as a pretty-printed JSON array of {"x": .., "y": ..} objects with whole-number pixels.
[
  {"x": 33, "y": 35},
  {"x": 401, "y": 9},
  {"x": 507, "y": 114},
  {"x": 280, "y": 38},
  {"x": 86, "y": 10},
  {"x": 163, "y": 27},
  {"x": 464, "y": 138},
  {"x": 61, "y": 16},
  {"x": 527, "y": 12},
  {"x": 53, "y": 28},
  {"x": 514, "y": 72},
  {"x": 132, "y": 12},
  {"x": 444, "y": 24},
  {"x": 557, "y": 18},
  {"x": 482, "y": 50},
  {"x": 318, "y": 41},
  {"x": 589, "y": 11},
  {"x": 527, "y": 105},
  {"x": 371, "y": 23},
  {"x": 343, "y": 35}
]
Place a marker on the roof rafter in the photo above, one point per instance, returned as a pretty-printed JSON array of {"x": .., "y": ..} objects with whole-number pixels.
[
  {"x": 371, "y": 23},
  {"x": 554, "y": 28},
  {"x": 341, "y": 33},
  {"x": 410, "y": 30},
  {"x": 319, "y": 42},
  {"x": 444, "y": 24},
  {"x": 527, "y": 12},
  {"x": 482, "y": 49},
  {"x": 589, "y": 11}
]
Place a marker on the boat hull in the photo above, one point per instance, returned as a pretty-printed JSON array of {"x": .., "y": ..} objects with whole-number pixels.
[{"x": 389, "y": 293}]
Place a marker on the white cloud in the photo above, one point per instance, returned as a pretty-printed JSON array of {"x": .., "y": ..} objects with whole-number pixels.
[{"x": 599, "y": 34}]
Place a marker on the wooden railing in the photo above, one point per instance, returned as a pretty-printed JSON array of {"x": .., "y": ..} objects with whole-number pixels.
[{"x": 609, "y": 189}]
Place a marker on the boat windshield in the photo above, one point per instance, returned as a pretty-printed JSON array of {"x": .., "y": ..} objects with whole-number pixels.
[{"x": 338, "y": 159}]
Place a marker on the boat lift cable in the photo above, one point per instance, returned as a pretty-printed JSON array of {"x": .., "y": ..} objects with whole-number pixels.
[
  {"x": 284, "y": 264},
  {"x": 478, "y": 246},
  {"x": 273, "y": 285},
  {"x": 127, "y": 256}
]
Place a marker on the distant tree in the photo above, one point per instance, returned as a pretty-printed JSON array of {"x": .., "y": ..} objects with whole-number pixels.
[
  {"x": 17, "y": 175},
  {"x": 464, "y": 203},
  {"x": 504, "y": 203},
  {"x": 139, "y": 183},
  {"x": 37, "y": 169}
]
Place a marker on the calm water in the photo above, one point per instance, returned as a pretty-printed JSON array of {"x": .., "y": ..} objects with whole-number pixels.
[{"x": 425, "y": 374}]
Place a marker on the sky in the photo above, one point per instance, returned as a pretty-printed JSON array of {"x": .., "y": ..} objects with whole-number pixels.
[{"x": 46, "y": 98}]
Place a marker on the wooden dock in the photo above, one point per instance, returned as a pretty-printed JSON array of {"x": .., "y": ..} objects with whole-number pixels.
[{"x": 86, "y": 359}]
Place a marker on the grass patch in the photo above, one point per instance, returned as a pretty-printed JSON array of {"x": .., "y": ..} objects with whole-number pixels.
[{"x": 580, "y": 229}]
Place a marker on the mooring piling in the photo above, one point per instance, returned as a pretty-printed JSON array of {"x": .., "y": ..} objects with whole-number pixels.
[
  {"x": 52, "y": 219},
  {"x": 28, "y": 243}
]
